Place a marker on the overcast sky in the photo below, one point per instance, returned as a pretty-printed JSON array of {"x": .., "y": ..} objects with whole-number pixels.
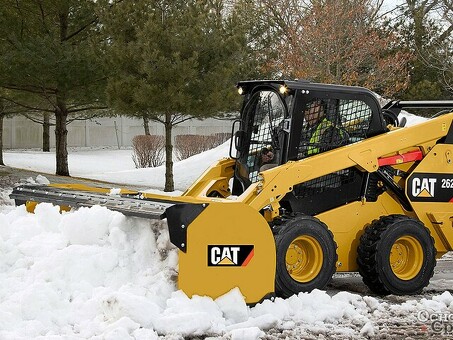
[{"x": 390, "y": 4}]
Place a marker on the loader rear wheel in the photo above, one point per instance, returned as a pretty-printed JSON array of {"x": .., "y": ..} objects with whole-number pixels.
[
  {"x": 396, "y": 255},
  {"x": 306, "y": 256}
]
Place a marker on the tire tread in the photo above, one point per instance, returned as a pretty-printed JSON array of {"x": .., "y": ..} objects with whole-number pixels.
[{"x": 367, "y": 252}]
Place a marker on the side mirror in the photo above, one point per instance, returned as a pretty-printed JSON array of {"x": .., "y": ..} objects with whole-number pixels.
[
  {"x": 391, "y": 116},
  {"x": 237, "y": 138}
]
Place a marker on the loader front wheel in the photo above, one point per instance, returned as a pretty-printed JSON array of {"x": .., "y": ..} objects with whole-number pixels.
[
  {"x": 396, "y": 255},
  {"x": 306, "y": 256}
]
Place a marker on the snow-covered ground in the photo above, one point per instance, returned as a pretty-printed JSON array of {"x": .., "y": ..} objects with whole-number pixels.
[
  {"x": 117, "y": 166},
  {"x": 96, "y": 274}
]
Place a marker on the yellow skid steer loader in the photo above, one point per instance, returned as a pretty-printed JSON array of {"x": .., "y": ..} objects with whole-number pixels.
[{"x": 320, "y": 179}]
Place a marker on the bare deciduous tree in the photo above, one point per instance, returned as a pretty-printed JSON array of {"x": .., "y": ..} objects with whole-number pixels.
[
  {"x": 432, "y": 28},
  {"x": 339, "y": 41}
]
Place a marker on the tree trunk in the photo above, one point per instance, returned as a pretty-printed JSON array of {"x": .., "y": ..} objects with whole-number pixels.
[
  {"x": 61, "y": 138},
  {"x": 169, "y": 184},
  {"x": 61, "y": 112},
  {"x": 146, "y": 124},
  {"x": 46, "y": 133},
  {"x": 1, "y": 139}
]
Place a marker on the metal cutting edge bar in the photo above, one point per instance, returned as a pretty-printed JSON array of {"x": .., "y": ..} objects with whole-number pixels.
[{"x": 130, "y": 206}]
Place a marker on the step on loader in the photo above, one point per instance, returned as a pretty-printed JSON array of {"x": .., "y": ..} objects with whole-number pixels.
[{"x": 320, "y": 179}]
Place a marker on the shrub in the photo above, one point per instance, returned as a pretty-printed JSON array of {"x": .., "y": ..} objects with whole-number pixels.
[
  {"x": 189, "y": 145},
  {"x": 148, "y": 151}
]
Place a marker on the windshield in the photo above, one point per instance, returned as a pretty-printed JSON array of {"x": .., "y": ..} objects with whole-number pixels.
[{"x": 263, "y": 114}]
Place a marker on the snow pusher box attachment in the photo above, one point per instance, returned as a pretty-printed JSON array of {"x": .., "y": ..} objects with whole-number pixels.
[{"x": 320, "y": 179}]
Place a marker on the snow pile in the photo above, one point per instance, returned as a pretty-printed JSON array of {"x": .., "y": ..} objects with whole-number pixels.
[
  {"x": 5, "y": 201},
  {"x": 94, "y": 273},
  {"x": 84, "y": 273}
]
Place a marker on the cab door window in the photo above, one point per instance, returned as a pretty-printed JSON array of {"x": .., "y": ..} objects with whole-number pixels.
[{"x": 266, "y": 111}]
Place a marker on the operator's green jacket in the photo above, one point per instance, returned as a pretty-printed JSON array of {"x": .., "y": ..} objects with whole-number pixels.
[{"x": 317, "y": 144}]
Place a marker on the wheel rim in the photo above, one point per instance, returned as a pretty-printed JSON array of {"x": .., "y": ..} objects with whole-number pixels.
[
  {"x": 406, "y": 257},
  {"x": 304, "y": 258}
]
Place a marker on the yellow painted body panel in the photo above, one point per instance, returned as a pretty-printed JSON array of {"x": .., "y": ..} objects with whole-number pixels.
[
  {"x": 30, "y": 206},
  {"x": 348, "y": 223},
  {"x": 215, "y": 178},
  {"x": 228, "y": 223},
  {"x": 437, "y": 216}
]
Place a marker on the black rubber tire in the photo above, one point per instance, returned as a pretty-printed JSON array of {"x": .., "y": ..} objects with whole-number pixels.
[
  {"x": 292, "y": 228},
  {"x": 374, "y": 255}
]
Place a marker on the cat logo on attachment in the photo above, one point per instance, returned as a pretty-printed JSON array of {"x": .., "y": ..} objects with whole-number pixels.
[{"x": 230, "y": 255}]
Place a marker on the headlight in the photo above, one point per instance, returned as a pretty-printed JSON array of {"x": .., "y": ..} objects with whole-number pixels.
[{"x": 283, "y": 89}]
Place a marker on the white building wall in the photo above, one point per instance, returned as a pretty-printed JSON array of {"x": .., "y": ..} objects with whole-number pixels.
[{"x": 21, "y": 133}]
